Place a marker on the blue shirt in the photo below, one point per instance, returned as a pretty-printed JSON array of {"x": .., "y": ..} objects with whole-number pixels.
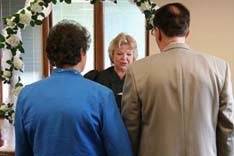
[{"x": 67, "y": 115}]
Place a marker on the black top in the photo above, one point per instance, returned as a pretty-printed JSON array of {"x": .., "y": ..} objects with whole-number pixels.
[{"x": 110, "y": 79}]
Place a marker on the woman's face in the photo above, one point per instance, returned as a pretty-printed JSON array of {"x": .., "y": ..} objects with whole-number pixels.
[{"x": 122, "y": 57}]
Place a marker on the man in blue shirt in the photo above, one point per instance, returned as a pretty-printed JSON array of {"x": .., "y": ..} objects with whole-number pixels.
[{"x": 65, "y": 114}]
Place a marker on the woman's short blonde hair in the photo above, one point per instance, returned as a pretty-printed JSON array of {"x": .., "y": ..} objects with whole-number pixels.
[{"x": 122, "y": 39}]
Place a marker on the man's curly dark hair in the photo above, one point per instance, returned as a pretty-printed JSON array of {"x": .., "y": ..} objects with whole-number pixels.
[{"x": 65, "y": 42}]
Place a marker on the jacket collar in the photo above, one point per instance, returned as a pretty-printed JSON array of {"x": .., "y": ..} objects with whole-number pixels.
[
  {"x": 175, "y": 46},
  {"x": 66, "y": 70}
]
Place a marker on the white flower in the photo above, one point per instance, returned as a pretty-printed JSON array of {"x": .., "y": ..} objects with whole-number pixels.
[
  {"x": 25, "y": 18},
  {"x": 17, "y": 53},
  {"x": 10, "y": 22},
  {"x": 40, "y": 18},
  {"x": 6, "y": 74},
  {"x": 13, "y": 40},
  {"x": 35, "y": 7},
  {"x": 27, "y": 3},
  {"x": 152, "y": 19},
  {"x": 3, "y": 107},
  {"x": 18, "y": 63},
  {"x": 47, "y": 10},
  {"x": 145, "y": 6},
  {"x": 17, "y": 90},
  {"x": 40, "y": 1}
]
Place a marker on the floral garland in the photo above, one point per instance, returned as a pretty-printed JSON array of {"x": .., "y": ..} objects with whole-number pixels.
[{"x": 33, "y": 14}]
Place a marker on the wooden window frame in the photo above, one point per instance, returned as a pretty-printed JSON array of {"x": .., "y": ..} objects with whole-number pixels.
[{"x": 98, "y": 39}]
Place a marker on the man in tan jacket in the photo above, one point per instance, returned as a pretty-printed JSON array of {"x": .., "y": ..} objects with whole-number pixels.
[{"x": 178, "y": 102}]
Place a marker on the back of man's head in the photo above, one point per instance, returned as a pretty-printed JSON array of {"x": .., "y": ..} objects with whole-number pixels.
[
  {"x": 173, "y": 19},
  {"x": 65, "y": 42}
]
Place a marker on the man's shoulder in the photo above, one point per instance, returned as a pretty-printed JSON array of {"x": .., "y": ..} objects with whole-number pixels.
[
  {"x": 195, "y": 54},
  {"x": 156, "y": 62},
  {"x": 29, "y": 89},
  {"x": 145, "y": 62},
  {"x": 211, "y": 59}
]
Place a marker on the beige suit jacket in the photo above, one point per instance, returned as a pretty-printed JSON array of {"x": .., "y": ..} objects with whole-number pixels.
[{"x": 179, "y": 103}]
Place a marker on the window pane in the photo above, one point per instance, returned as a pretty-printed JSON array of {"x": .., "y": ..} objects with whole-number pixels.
[
  {"x": 123, "y": 17},
  {"x": 32, "y": 40},
  {"x": 82, "y": 12}
]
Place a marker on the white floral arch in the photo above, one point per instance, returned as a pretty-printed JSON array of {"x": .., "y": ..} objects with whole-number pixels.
[{"x": 33, "y": 13}]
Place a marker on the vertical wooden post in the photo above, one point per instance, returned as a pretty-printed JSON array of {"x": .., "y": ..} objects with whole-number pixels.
[
  {"x": 147, "y": 35},
  {"x": 98, "y": 36},
  {"x": 46, "y": 25}
]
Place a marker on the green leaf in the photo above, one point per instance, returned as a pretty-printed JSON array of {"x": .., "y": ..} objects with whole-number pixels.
[
  {"x": 20, "y": 25},
  {"x": 13, "y": 51},
  {"x": 32, "y": 23},
  {"x": 9, "y": 62},
  {"x": 9, "y": 31},
  {"x": 149, "y": 26},
  {"x": 5, "y": 81},
  {"x": 7, "y": 69},
  {"x": 147, "y": 13},
  {"x": 17, "y": 18},
  {"x": 47, "y": 1},
  {"x": 15, "y": 28},
  {"x": 23, "y": 11},
  {"x": 8, "y": 46},
  {"x": 68, "y": 1},
  {"x": 42, "y": 14},
  {"x": 41, "y": 3},
  {"x": 37, "y": 22},
  {"x": 54, "y": 1},
  {"x": 28, "y": 8},
  {"x": 2, "y": 38},
  {"x": 17, "y": 85},
  {"x": 19, "y": 79},
  {"x": 153, "y": 5},
  {"x": 2, "y": 45},
  {"x": 21, "y": 49},
  {"x": 138, "y": 3},
  {"x": 34, "y": 17}
]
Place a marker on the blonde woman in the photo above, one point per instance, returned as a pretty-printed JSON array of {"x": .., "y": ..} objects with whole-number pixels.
[{"x": 122, "y": 52}]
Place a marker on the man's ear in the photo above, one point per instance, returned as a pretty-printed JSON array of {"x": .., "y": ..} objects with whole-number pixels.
[
  {"x": 159, "y": 34},
  {"x": 82, "y": 53},
  {"x": 186, "y": 35}
]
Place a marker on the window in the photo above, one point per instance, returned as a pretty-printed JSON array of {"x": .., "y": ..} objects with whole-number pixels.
[
  {"x": 82, "y": 12},
  {"x": 123, "y": 17},
  {"x": 107, "y": 18}
]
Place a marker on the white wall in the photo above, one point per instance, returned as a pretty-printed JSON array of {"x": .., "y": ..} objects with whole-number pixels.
[{"x": 211, "y": 30}]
